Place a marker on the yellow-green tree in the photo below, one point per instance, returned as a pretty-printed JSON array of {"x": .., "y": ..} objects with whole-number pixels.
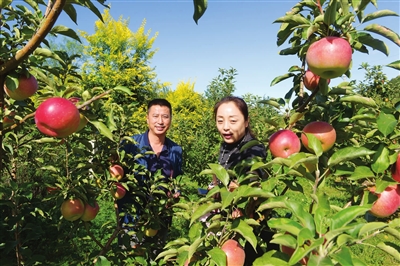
[
  {"x": 191, "y": 128},
  {"x": 119, "y": 57}
]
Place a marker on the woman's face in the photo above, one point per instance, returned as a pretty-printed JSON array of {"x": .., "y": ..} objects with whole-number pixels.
[{"x": 230, "y": 122}]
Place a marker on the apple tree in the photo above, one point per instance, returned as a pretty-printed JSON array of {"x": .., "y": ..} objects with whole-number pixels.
[
  {"x": 293, "y": 196},
  {"x": 42, "y": 172}
]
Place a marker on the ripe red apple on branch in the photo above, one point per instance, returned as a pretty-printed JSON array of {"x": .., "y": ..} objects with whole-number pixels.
[
  {"x": 72, "y": 209},
  {"x": 235, "y": 255},
  {"x": 387, "y": 203},
  {"x": 323, "y": 131},
  {"x": 28, "y": 86},
  {"x": 118, "y": 191},
  {"x": 57, "y": 117},
  {"x": 311, "y": 80},
  {"x": 91, "y": 211},
  {"x": 329, "y": 57},
  {"x": 116, "y": 171},
  {"x": 284, "y": 143}
]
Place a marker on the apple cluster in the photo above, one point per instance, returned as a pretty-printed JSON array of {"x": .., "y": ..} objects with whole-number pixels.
[
  {"x": 285, "y": 142},
  {"x": 117, "y": 190},
  {"x": 74, "y": 209}
]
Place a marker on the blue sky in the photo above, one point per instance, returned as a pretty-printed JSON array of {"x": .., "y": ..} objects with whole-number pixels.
[{"x": 238, "y": 34}]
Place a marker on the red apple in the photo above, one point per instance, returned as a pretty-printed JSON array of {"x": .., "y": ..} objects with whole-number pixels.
[
  {"x": 311, "y": 80},
  {"x": 57, "y": 117},
  {"x": 284, "y": 143},
  {"x": 323, "y": 131},
  {"x": 116, "y": 171},
  {"x": 329, "y": 57},
  {"x": 387, "y": 203},
  {"x": 396, "y": 169},
  {"x": 27, "y": 86},
  {"x": 72, "y": 209},
  {"x": 234, "y": 253},
  {"x": 118, "y": 191},
  {"x": 91, "y": 210}
]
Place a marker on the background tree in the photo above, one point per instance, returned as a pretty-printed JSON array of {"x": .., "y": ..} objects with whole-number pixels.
[
  {"x": 221, "y": 86},
  {"x": 377, "y": 86}
]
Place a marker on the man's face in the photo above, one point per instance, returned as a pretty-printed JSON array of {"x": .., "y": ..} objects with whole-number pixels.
[{"x": 159, "y": 119}]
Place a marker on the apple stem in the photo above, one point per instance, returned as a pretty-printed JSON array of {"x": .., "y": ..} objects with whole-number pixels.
[{"x": 321, "y": 10}]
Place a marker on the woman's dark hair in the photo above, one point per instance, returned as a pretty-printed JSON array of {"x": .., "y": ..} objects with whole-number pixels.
[
  {"x": 240, "y": 104},
  {"x": 160, "y": 102}
]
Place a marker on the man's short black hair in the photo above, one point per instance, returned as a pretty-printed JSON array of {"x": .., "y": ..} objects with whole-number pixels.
[{"x": 160, "y": 102}]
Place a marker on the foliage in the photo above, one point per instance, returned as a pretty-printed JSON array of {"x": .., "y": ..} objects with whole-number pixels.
[
  {"x": 221, "y": 86},
  {"x": 119, "y": 57},
  {"x": 318, "y": 231},
  {"x": 376, "y": 85}
]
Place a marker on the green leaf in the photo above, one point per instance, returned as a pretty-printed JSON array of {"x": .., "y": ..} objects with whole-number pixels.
[
  {"x": 102, "y": 129},
  {"x": 395, "y": 65},
  {"x": 272, "y": 103},
  {"x": 376, "y": 44},
  {"x": 379, "y": 14},
  {"x": 296, "y": 19},
  {"x": 220, "y": 172},
  {"x": 385, "y": 32},
  {"x": 304, "y": 217},
  {"x": 66, "y": 32},
  {"x": 271, "y": 258},
  {"x": 386, "y": 123},
  {"x": 285, "y": 224},
  {"x": 4, "y": 3},
  {"x": 290, "y": 51},
  {"x": 295, "y": 117},
  {"x": 321, "y": 211},
  {"x": 361, "y": 172},
  {"x": 193, "y": 247},
  {"x": 217, "y": 255},
  {"x": 246, "y": 231},
  {"x": 244, "y": 191},
  {"x": 281, "y": 78},
  {"x": 50, "y": 168},
  {"x": 204, "y": 209},
  {"x": 71, "y": 12},
  {"x": 284, "y": 32},
  {"x": 200, "y": 7},
  {"x": 102, "y": 261},
  {"x": 314, "y": 144},
  {"x": 285, "y": 239},
  {"x": 381, "y": 160},
  {"x": 347, "y": 154},
  {"x": 343, "y": 256},
  {"x": 357, "y": 99},
  {"x": 347, "y": 215},
  {"x": 330, "y": 13},
  {"x": 371, "y": 226},
  {"x": 123, "y": 89},
  {"x": 390, "y": 250}
]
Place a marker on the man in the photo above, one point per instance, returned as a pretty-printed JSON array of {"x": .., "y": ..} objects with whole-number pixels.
[{"x": 165, "y": 157}]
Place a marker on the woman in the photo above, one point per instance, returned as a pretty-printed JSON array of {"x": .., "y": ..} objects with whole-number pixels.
[{"x": 232, "y": 120}]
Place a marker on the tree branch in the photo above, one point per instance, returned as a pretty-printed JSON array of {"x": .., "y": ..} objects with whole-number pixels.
[{"x": 33, "y": 43}]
